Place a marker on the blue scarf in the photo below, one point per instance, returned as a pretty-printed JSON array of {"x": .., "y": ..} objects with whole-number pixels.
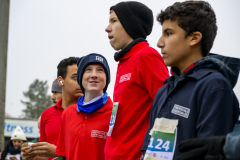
[
  {"x": 92, "y": 107},
  {"x": 12, "y": 150}
]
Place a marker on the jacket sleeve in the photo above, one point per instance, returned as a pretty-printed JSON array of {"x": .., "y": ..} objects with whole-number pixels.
[
  {"x": 43, "y": 137},
  {"x": 153, "y": 116},
  {"x": 146, "y": 138},
  {"x": 153, "y": 72},
  {"x": 217, "y": 110},
  {"x": 60, "y": 150}
]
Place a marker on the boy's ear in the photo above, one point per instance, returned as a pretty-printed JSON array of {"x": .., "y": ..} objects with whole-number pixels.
[
  {"x": 196, "y": 38},
  {"x": 60, "y": 81}
]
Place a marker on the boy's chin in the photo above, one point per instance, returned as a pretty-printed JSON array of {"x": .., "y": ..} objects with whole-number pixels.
[
  {"x": 115, "y": 47},
  {"x": 167, "y": 63}
]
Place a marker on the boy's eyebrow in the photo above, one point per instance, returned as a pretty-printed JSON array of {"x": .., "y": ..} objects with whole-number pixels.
[
  {"x": 167, "y": 29},
  {"x": 112, "y": 18},
  {"x": 74, "y": 74}
]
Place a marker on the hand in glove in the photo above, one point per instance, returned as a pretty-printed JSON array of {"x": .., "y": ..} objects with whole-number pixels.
[{"x": 209, "y": 148}]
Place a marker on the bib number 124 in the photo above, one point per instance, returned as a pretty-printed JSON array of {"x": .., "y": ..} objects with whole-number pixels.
[{"x": 159, "y": 145}]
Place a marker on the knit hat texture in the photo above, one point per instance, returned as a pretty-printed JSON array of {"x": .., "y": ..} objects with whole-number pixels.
[
  {"x": 135, "y": 17},
  {"x": 87, "y": 60},
  {"x": 18, "y": 134},
  {"x": 56, "y": 87}
]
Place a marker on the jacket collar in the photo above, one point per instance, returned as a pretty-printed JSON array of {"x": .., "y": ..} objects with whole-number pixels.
[
  {"x": 136, "y": 48},
  {"x": 58, "y": 104},
  {"x": 125, "y": 50},
  {"x": 201, "y": 73},
  {"x": 196, "y": 75},
  {"x": 229, "y": 67}
]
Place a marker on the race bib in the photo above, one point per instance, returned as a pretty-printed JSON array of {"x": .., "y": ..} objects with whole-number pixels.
[
  {"x": 163, "y": 140},
  {"x": 113, "y": 118}
]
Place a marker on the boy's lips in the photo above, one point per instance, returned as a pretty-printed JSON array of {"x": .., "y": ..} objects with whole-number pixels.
[
  {"x": 110, "y": 37},
  {"x": 79, "y": 90},
  {"x": 163, "y": 54},
  {"x": 93, "y": 82}
]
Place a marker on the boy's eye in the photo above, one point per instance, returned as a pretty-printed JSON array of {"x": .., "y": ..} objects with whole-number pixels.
[
  {"x": 101, "y": 70},
  {"x": 113, "y": 20},
  {"x": 169, "y": 34},
  {"x": 87, "y": 69}
]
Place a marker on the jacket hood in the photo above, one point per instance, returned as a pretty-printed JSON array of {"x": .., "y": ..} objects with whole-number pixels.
[{"x": 228, "y": 66}]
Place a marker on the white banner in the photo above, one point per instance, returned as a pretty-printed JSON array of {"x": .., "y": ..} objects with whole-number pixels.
[{"x": 29, "y": 127}]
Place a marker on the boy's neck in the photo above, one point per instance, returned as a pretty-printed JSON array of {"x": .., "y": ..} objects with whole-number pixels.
[
  {"x": 68, "y": 100},
  {"x": 88, "y": 96},
  {"x": 130, "y": 41},
  {"x": 192, "y": 58}
]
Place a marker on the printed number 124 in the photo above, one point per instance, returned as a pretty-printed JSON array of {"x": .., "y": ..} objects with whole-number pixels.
[{"x": 159, "y": 145}]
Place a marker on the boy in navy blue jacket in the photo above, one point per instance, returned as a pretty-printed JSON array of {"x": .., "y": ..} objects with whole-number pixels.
[{"x": 198, "y": 99}]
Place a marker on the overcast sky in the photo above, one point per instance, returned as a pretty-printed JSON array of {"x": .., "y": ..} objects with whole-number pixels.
[{"x": 43, "y": 32}]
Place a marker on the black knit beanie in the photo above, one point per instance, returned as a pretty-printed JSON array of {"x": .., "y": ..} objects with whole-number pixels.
[
  {"x": 135, "y": 17},
  {"x": 83, "y": 62}
]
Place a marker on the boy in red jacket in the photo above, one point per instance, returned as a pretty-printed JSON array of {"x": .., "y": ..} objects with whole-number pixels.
[
  {"x": 50, "y": 124},
  {"x": 141, "y": 72},
  {"x": 85, "y": 124}
]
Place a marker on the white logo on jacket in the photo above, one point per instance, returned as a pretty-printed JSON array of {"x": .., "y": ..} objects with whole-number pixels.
[
  {"x": 125, "y": 77},
  {"x": 181, "y": 111},
  {"x": 99, "y": 134}
]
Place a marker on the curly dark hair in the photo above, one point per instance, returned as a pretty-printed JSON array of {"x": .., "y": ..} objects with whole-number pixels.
[
  {"x": 193, "y": 16},
  {"x": 63, "y": 66}
]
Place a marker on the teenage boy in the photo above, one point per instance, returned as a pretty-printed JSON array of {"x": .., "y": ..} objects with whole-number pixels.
[
  {"x": 85, "y": 124},
  {"x": 56, "y": 92},
  {"x": 51, "y": 118},
  {"x": 140, "y": 73},
  {"x": 198, "y": 99}
]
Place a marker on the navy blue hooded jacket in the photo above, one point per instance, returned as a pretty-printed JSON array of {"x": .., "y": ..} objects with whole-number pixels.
[{"x": 204, "y": 93}]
